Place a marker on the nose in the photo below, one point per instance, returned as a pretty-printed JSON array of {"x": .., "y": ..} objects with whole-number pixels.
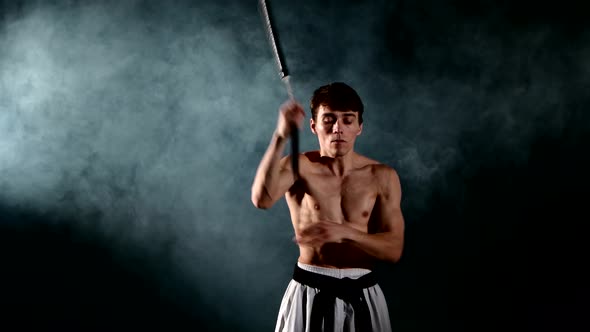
[{"x": 337, "y": 127}]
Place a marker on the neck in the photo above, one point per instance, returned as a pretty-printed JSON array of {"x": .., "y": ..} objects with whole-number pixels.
[{"x": 340, "y": 165}]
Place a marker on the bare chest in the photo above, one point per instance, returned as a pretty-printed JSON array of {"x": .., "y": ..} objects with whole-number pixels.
[{"x": 340, "y": 199}]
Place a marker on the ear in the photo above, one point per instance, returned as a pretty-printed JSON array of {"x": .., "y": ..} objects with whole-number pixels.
[
  {"x": 312, "y": 126},
  {"x": 360, "y": 129}
]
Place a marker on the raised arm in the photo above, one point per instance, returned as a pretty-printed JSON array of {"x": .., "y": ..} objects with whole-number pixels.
[{"x": 274, "y": 175}]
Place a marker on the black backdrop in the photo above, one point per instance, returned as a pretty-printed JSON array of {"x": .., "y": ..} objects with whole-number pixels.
[{"x": 481, "y": 106}]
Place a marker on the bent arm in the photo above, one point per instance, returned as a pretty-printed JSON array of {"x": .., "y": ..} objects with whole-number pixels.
[
  {"x": 387, "y": 244},
  {"x": 273, "y": 176}
]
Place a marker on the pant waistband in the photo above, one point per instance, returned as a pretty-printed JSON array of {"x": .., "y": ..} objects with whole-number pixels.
[
  {"x": 340, "y": 287},
  {"x": 352, "y": 273},
  {"x": 330, "y": 288}
]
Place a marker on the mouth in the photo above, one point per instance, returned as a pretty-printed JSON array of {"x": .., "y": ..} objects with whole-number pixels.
[{"x": 338, "y": 141}]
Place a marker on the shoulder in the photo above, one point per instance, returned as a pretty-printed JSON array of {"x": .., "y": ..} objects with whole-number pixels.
[
  {"x": 380, "y": 170},
  {"x": 385, "y": 175},
  {"x": 303, "y": 157},
  {"x": 310, "y": 159},
  {"x": 385, "y": 172},
  {"x": 310, "y": 156},
  {"x": 306, "y": 161}
]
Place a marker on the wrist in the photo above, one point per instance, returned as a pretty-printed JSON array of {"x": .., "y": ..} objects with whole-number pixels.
[
  {"x": 278, "y": 136},
  {"x": 350, "y": 235}
]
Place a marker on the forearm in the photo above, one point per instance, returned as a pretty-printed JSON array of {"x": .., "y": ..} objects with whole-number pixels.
[
  {"x": 384, "y": 246},
  {"x": 266, "y": 180}
]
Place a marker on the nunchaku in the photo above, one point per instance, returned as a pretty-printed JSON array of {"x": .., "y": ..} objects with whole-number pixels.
[{"x": 284, "y": 75}]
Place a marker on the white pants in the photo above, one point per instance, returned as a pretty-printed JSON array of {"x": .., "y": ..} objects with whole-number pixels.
[{"x": 296, "y": 306}]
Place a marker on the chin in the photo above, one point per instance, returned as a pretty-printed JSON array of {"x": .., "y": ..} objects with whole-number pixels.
[{"x": 336, "y": 152}]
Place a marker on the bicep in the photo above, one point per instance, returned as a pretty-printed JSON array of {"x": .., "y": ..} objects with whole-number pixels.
[
  {"x": 391, "y": 216},
  {"x": 286, "y": 177}
]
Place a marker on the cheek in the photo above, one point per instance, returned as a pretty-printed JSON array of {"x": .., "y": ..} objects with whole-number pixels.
[{"x": 353, "y": 129}]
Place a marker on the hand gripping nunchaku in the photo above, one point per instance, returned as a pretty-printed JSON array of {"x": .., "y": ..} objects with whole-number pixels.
[{"x": 284, "y": 75}]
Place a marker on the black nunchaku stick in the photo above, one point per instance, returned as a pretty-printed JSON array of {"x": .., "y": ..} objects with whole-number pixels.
[{"x": 284, "y": 75}]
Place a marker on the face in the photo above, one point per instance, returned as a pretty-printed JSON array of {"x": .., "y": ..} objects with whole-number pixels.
[{"x": 336, "y": 130}]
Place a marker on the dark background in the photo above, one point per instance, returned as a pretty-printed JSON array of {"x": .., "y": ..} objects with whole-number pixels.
[{"x": 130, "y": 132}]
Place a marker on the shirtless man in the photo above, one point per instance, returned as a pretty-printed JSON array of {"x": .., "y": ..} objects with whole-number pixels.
[{"x": 345, "y": 210}]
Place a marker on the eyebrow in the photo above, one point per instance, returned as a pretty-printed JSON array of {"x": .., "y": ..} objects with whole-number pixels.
[{"x": 346, "y": 114}]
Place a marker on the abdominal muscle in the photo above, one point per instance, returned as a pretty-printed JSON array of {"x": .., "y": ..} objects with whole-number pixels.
[
  {"x": 319, "y": 195},
  {"x": 333, "y": 255}
]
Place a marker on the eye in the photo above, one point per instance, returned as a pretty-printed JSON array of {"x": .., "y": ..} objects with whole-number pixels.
[
  {"x": 348, "y": 119},
  {"x": 328, "y": 119}
]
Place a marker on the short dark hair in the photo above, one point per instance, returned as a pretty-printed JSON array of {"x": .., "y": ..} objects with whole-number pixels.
[{"x": 339, "y": 97}]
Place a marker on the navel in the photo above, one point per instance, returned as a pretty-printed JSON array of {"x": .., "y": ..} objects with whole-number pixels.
[
  {"x": 316, "y": 206},
  {"x": 365, "y": 214}
]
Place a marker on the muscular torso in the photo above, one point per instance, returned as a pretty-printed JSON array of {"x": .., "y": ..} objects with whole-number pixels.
[{"x": 320, "y": 194}]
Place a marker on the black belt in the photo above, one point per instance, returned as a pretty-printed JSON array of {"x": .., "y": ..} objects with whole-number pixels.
[{"x": 330, "y": 288}]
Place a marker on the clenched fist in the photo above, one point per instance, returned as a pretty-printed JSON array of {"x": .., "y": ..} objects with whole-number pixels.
[{"x": 291, "y": 115}]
